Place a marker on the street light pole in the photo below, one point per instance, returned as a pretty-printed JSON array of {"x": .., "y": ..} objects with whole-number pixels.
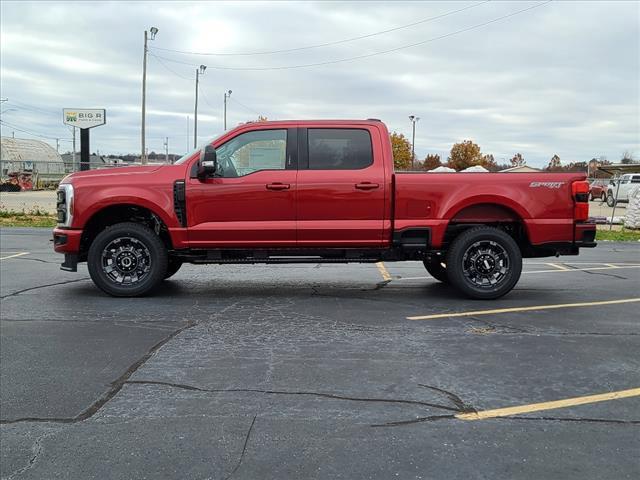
[
  {"x": 199, "y": 71},
  {"x": 413, "y": 119},
  {"x": 226, "y": 95},
  {"x": 153, "y": 31}
]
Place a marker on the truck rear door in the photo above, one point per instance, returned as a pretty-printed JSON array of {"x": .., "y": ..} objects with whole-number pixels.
[{"x": 341, "y": 187}]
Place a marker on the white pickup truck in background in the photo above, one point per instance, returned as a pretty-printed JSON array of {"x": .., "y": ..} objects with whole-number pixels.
[{"x": 620, "y": 193}]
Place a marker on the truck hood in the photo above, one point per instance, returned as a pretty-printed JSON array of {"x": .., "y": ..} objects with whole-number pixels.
[{"x": 113, "y": 172}]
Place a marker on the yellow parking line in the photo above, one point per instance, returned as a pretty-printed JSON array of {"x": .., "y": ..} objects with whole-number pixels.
[
  {"x": 386, "y": 276},
  {"x": 522, "y": 309},
  {"x": 610, "y": 267},
  {"x": 526, "y": 272},
  {"x": 537, "y": 407},
  {"x": 559, "y": 267},
  {"x": 14, "y": 255}
]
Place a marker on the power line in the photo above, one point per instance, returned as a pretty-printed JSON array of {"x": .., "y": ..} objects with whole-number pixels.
[
  {"x": 25, "y": 106},
  {"x": 243, "y": 105},
  {"x": 167, "y": 66},
  {"x": 327, "y": 44},
  {"x": 368, "y": 55},
  {"x": 21, "y": 129},
  {"x": 204, "y": 96}
]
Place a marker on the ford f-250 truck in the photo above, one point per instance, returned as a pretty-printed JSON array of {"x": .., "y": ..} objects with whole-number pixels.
[{"x": 314, "y": 191}]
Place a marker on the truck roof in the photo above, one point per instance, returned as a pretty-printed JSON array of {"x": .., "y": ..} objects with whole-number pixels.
[{"x": 368, "y": 121}]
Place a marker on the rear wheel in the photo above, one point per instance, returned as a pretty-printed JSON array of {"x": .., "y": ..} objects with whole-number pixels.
[
  {"x": 127, "y": 260},
  {"x": 603, "y": 196},
  {"x": 591, "y": 196},
  {"x": 484, "y": 263},
  {"x": 437, "y": 270}
]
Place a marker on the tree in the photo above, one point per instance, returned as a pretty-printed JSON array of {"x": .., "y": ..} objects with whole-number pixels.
[
  {"x": 401, "y": 148},
  {"x": 464, "y": 155},
  {"x": 489, "y": 163},
  {"x": 554, "y": 164},
  {"x": 431, "y": 161},
  {"x": 627, "y": 158},
  {"x": 518, "y": 160}
]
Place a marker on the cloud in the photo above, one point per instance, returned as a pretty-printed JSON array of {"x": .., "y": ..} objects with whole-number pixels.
[{"x": 561, "y": 78}]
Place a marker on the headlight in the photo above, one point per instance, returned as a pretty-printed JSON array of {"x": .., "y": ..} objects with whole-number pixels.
[{"x": 64, "y": 205}]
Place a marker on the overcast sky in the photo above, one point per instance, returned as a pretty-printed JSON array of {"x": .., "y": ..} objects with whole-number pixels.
[{"x": 562, "y": 78}]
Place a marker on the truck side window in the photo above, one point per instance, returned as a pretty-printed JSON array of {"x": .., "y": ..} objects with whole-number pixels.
[
  {"x": 339, "y": 149},
  {"x": 251, "y": 152}
]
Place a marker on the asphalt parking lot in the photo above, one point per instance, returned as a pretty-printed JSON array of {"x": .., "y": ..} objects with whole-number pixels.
[{"x": 319, "y": 371}]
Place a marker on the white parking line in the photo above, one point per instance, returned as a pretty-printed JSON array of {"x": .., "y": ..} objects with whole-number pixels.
[{"x": 14, "y": 255}]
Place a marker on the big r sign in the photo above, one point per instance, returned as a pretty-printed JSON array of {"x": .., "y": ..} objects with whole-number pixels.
[{"x": 84, "y": 117}]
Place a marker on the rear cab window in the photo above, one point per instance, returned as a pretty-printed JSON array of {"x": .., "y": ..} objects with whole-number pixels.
[{"x": 339, "y": 148}]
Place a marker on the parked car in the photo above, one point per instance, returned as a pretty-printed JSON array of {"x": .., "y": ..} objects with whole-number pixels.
[
  {"x": 314, "y": 192},
  {"x": 598, "y": 189},
  {"x": 627, "y": 182}
]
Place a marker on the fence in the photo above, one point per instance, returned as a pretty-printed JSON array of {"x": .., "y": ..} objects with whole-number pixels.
[{"x": 43, "y": 174}]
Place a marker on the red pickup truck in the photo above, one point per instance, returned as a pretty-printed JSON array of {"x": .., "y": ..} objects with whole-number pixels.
[{"x": 314, "y": 191}]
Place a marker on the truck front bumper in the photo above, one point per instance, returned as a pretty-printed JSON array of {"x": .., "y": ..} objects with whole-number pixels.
[{"x": 67, "y": 241}]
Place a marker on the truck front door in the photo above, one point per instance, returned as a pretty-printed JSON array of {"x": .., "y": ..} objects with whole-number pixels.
[{"x": 250, "y": 202}]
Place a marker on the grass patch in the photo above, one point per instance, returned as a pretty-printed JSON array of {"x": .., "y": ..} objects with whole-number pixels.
[
  {"x": 618, "y": 235},
  {"x": 29, "y": 218}
]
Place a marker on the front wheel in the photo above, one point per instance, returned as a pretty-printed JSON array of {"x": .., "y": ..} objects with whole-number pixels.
[
  {"x": 127, "y": 260},
  {"x": 172, "y": 267},
  {"x": 484, "y": 263},
  {"x": 436, "y": 270},
  {"x": 610, "y": 201},
  {"x": 603, "y": 197}
]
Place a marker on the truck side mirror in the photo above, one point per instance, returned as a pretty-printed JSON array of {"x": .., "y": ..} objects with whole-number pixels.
[{"x": 208, "y": 163}]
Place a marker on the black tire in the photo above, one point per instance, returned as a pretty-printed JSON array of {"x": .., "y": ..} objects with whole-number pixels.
[
  {"x": 500, "y": 268},
  {"x": 127, "y": 251},
  {"x": 603, "y": 197},
  {"x": 591, "y": 197},
  {"x": 436, "y": 270},
  {"x": 173, "y": 266},
  {"x": 610, "y": 201}
]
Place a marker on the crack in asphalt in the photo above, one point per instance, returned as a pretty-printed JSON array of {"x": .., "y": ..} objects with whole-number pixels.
[
  {"x": 244, "y": 448},
  {"x": 36, "y": 449},
  {"x": 596, "y": 273},
  {"x": 576, "y": 419},
  {"x": 43, "y": 286},
  {"x": 458, "y": 402},
  {"x": 433, "y": 418},
  {"x": 36, "y": 260},
  {"x": 114, "y": 388},
  {"x": 293, "y": 392}
]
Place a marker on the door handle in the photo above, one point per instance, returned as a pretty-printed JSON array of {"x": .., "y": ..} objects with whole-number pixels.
[
  {"x": 366, "y": 186},
  {"x": 278, "y": 186}
]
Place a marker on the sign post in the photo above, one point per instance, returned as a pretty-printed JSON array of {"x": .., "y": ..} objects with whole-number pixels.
[{"x": 84, "y": 119}]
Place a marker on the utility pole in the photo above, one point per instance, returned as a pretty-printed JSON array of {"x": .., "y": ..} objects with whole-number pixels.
[
  {"x": 227, "y": 94},
  {"x": 166, "y": 149},
  {"x": 187, "y": 134},
  {"x": 57, "y": 145},
  {"x": 413, "y": 119},
  {"x": 153, "y": 31},
  {"x": 199, "y": 71}
]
